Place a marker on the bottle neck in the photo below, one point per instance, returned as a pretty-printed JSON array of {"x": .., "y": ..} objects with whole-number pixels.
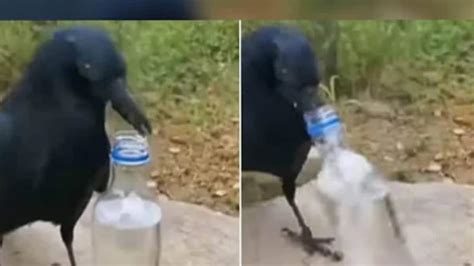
[{"x": 129, "y": 179}]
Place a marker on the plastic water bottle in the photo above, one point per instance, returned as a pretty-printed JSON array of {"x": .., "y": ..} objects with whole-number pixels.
[
  {"x": 126, "y": 218},
  {"x": 347, "y": 178}
]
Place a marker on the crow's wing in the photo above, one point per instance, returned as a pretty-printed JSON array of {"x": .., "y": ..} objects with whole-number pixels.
[
  {"x": 5, "y": 140},
  {"x": 5, "y": 135}
]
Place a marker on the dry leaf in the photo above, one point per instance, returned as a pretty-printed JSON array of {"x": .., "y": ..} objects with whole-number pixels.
[
  {"x": 439, "y": 156},
  {"x": 220, "y": 193},
  {"x": 151, "y": 184},
  {"x": 459, "y": 131},
  {"x": 174, "y": 150},
  {"x": 236, "y": 186},
  {"x": 434, "y": 167},
  {"x": 400, "y": 146}
]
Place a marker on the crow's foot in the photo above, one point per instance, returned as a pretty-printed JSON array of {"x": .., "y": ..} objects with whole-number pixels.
[{"x": 312, "y": 245}]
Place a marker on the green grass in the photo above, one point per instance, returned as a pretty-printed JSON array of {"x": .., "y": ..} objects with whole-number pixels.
[
  {"x": 410, "y": 61},
  {"x": 173, "y": 63}
]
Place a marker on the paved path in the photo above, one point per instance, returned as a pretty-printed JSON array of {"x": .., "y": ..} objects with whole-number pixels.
[
  {"x": 437, "y": 219},
  {"x": 191, "y": 235}
]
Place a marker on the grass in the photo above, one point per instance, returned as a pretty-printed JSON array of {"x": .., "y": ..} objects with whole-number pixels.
[
  {"x": 409, "y": 61},
  {"x": 189, "y": 66}
]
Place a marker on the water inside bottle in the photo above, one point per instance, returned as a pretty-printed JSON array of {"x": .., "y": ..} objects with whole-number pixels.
[
  {"x": 363, "y": 210},
  {"x": 124, "y": 225}
]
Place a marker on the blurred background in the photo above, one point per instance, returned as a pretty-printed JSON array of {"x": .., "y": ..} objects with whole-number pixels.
[
  {"x": 338, "y": 9},
  {"x": 405, "y": 90},
  {"x": 231, "y": 9},
  {"x": 186, "y": 76}
]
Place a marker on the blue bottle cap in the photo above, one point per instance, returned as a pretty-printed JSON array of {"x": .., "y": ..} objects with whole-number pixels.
[{"x": 130, "y": 150}]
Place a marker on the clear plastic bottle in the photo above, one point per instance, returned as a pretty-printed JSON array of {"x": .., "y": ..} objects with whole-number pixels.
[
  {"x": 347, "y": 178},
  {"x": 126, "y": 218}
]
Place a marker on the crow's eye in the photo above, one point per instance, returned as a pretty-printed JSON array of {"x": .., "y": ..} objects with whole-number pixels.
[{"x": 87, "y": 65}]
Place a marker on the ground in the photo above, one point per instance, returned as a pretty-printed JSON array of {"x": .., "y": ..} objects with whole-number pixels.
[
  {"x": 411, "y": 145},
  {"x": 199, "y": 167},
  {"x": 196, "y": 149}
]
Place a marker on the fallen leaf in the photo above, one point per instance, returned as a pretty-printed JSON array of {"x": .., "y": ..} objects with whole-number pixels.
[
  {"x": 388, "y": 158},
  {"x": 236, "y": 186},
  {"x": 437, "y": 113},
  {"x": 174, "y": 150},
  {"x": 459, "y": 131},
  {"x": 434, "y": 167},
  {"x": 400, "y": 146},
  {"x": 439, "y": 156},
  {"x": 220, "y": 193},
  {"x": 151, "y": 184}
]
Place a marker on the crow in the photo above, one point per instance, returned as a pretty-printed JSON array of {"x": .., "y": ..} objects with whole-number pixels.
[
  {"x": 98, "y": 9},
  {"x": 279, "y": 83},
  {"x": 54, "y": 150}
]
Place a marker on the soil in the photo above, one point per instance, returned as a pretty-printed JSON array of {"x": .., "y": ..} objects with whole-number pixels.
[
  {"x": 198, "y": 166},
  {"x": 434, "y": 144},
  {"x": 407, "y": 144}
]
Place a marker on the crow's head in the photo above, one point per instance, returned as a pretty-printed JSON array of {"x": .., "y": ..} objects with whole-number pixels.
[
  {"x": 86, "y": 61},
  {"x": 295, "y": 70}
]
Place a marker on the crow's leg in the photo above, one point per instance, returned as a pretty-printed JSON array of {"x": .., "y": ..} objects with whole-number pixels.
[
  {"x": 392, "y": 214},
  {"x": 310, "y": 243},
  {"x": 67, "y": 235},
  {"x": 67, "y": 227}
]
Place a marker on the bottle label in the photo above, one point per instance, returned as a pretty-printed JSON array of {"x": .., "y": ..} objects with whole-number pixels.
[{"x": 322, "y": 122}]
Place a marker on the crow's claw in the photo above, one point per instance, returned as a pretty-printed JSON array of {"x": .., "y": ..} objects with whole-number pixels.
[{"x": 312, "y": 245}]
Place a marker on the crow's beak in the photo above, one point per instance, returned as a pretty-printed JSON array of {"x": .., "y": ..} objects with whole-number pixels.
[
  {"x": 308, "y": 101},
  {"x": 123, "y": 103}
]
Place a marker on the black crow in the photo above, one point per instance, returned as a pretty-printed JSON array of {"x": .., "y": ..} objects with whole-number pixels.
[
  {"x": 54, "y": 151},
  {"x": 98, "y": 9},
  {"x": 279, "y": 83}
]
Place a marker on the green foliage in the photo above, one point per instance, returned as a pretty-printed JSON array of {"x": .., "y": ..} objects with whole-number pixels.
[
  {"x": 17, "y": 42},
  {"x": 169, "y": 61},
  {"x": 413, "y": 61},
  {"x": 170, "y": 56}
]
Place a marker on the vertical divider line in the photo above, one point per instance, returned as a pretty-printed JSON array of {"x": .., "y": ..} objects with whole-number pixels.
[{"x": 240, "y": 142}]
